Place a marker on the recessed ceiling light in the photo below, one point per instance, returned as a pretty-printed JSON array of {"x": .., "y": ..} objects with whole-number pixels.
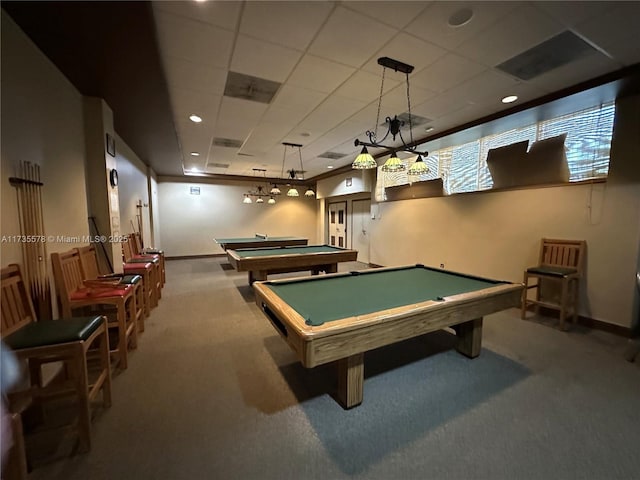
[
  {"x": 461, "y": 17},
  {"x": 510, "y": 99},
  {"x": 429, "y": 129},
  {"x": 329, "y": 166},
  {"x": 195, "y": 118},
  {"x": 195, "y": 154},
  {"x": 195, "y": 169}
]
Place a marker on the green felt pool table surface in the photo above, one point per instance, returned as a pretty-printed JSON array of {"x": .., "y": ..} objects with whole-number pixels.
[
  {"x": 294, "y": 250},
  {"x": 259, "y": 241},
  {"x": 340, "y": 316},
  {"x": 373, "y": 290},
  {"x": 260, "y": 262}
]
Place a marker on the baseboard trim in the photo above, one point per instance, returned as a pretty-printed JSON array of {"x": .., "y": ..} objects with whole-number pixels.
[
  {"x": 588, "y": 322},
  {"x": 188, "y": 257}
]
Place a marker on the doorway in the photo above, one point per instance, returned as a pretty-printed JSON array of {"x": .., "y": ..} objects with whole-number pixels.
[
  {"x": 338, "y": 224},
  {"x": 360, "y": 219}
]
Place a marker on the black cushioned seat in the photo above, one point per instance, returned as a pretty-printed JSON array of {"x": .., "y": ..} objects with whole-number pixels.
[
  {"x": 53, "y": 332},
  {"x": 552, "y": 270}
]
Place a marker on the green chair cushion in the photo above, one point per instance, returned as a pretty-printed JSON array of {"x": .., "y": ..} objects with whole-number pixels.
[
  {"x": 142, "y": 260},
  {"x": 130, "y": 279},
  {"x": 552, "y": 270},
  {"x": 53, "y": 332}
]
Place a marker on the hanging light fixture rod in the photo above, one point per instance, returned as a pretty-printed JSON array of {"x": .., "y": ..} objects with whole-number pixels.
[
  {"x": 394, "y": 125},
  {"x": 396, "y": 65}
]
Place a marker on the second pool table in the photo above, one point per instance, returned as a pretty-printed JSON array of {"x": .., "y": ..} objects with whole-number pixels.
[
  {"x": 340, "y": 316},
  {"x": 260, "y": 262},
  {"x": 259, "y": 241}
]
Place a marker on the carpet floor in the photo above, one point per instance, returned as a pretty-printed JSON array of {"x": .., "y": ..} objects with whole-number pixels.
[{"x": 213, "y": 392}]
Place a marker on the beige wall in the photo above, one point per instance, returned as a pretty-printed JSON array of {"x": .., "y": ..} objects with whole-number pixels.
[
  {"x": 497, "y": 234},
  {"x": 189, "y": 223},
  {"x": 132, "y": 190},
  {"x": 42, "y": 122}
]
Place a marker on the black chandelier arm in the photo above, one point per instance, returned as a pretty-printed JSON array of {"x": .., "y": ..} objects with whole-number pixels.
[{"x": 404, "y": 148}]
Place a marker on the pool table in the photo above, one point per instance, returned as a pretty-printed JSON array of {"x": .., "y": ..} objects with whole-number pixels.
[
  {"x": 260, "y": 262},
  {"x": 338, "y": 317},
  {"x": 259, "y": 241}
]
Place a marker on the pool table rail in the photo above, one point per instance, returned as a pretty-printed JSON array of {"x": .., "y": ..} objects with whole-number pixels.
[{"x": 316, "y": 345}]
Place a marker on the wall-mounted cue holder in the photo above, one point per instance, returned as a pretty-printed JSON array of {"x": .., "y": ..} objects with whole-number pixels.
[{"x": 16, "y": 182}]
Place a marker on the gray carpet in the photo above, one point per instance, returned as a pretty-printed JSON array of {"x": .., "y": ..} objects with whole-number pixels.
[{"x": 214, "y": 393}]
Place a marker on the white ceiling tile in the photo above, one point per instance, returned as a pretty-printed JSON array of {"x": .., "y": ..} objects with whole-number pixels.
[
  {"x": 220, "y": 14},
  {"x": 432, "y": 25},
  {"x": 350, "y": 38},
  {"x": 522, "y": 29},
  {"x": 293, "y": 24},
  {"x": 315, "y": 73},
  {"x": 187, "y": 102},
  {"x": 262, "y": 59},
  {"x": 446, "y": 72},
  {"x": 614, "y": 30},
  {"x": 576, "y": 72},
  {"x": 570, "y": 13},
  {"x": 297, "y": 99},
  {"x": 440, "y": 106},
  {"x": 194, "y": 41},
  {"x": 395, "y": 14},
  {"x": 395, "y": 102},
  {"x": 194, "y": 76},
  {"x": 264, "y": 137},
  {"x": 333, "y": 110},
  {"x": 284, "y": 116},
  {"x": 489, "y": 87},
  {"x": 239, "y": 110},
  {"x": 364, "y": 86}
]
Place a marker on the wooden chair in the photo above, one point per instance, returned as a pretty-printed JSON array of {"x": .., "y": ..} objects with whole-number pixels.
[
  {"x": 138, "y": 248},
  {"x": 116, "y": 302},
  {"x": 90, "y": 271},
  {"x": 76, "y": 342},
  {"x": 561, "y": 261},
  {"x": 130, "y": 257}
]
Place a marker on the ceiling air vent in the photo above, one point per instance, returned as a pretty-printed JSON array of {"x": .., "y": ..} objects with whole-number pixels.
[
  {"x": 332, "y": 155},
  {"x": 217, "y": 165},
  {"x": 560, "y": 50},
  {"x": 250, "y": 88},
  {"x": 227, "y": 142}
]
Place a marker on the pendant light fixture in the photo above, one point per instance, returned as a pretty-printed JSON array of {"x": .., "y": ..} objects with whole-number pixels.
[{"x": 394, "y": 125}]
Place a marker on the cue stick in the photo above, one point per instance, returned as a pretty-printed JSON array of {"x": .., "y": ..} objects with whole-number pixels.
[
  {"x": 41, "y": 246},
  {"x": 28, "y": 221}
]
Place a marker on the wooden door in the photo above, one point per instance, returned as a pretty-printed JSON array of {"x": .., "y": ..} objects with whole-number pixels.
[
  {"x": 360, "y": 218},
  {"x": 338, "y": 224}
]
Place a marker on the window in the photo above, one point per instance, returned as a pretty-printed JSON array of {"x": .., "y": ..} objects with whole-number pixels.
[{"x": 463, "y": 168}]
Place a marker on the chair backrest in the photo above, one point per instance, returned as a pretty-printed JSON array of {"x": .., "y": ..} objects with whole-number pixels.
[
  {"x": 68, "y": 275},
  {"x": 17, "y": 307},
  {"x": 563, "y": 253},
  {"x": 136, "y": 242},
  {"x": 88, "y": 262},
  {"x": 128, "y": 249}
]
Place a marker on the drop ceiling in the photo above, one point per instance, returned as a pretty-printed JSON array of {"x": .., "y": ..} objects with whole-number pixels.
[{"x": 263, "y": 73}]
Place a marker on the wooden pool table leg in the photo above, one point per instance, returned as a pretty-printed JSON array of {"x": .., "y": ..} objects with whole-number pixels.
[
  {"x": 469, "y": 337},
  {"x": 257, "y": 276},
  {"x": 351, "y": 380}
]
